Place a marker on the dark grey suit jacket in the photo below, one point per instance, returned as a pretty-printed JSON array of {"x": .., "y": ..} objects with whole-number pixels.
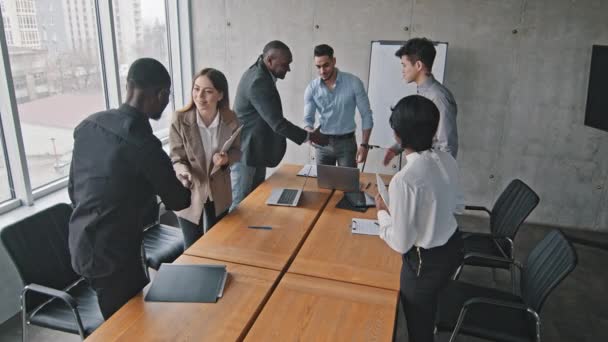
[{"x": 258, "y": 107}]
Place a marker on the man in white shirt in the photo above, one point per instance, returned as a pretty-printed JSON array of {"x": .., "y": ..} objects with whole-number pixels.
[{"x": 420, "y": 222}]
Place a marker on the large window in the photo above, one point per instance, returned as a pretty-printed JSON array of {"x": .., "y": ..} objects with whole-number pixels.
[
  {"x": 141, "y": 31},
  {"x": 63, "y": 65},
  {"x": 56, "y": 87}
]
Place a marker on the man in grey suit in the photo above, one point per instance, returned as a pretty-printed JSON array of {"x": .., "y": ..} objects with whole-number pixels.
[{"x": 258, "y": 107}]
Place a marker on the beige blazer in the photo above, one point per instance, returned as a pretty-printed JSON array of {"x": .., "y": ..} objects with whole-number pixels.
[{"x": 187, "y": 154}]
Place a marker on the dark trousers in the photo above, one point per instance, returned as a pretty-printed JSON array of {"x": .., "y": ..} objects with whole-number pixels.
[
  {"x": 114, "y": 290},
  {"x": 420, "y": 289},
  {"x": 193, "y": 232},
  {"x": 339, "y": 150}
]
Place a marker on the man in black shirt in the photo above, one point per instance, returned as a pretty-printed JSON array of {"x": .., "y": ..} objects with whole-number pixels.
[{"x": 118, "y": 167}]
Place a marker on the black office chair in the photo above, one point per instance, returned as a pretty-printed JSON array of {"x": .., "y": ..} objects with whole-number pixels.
[
  {"x": 162, "y": 243},
  {"x": 53, "y": 296},
  {"x": 511, "y": 209},
  {"x": 504, "y": 316}
]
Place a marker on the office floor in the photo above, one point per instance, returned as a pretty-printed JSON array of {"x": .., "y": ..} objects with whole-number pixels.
[{"x": 576, "y": 311}]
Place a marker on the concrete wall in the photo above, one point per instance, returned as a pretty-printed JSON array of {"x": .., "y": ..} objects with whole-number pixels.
[{"x": 518, "y": 69}]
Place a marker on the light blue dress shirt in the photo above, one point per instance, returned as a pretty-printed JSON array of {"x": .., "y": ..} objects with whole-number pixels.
[{"x": 336, "y": 107}]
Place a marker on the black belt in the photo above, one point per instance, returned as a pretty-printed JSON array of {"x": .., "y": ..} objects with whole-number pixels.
[
  {"x": 341, "y": 136},
  {"x": 418, "y": 252},
  {"x": 414, "y": 249}
]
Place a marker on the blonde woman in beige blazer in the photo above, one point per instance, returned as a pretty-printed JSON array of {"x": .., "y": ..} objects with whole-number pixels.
[{"x": 197, "y": 135}]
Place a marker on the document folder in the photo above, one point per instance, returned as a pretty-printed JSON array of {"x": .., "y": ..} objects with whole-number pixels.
[
  {"x": 188, "y": 283},
  {"x": 227, "y": 146},
  {"x": 365, "y": 226}
]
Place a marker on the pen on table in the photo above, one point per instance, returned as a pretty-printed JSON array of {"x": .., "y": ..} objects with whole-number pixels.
[
  {"x": 376, "y": 223},
  {"x": 260, "y": 227}
]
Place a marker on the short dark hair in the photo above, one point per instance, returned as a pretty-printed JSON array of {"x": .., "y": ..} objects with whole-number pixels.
[
  {"x": 415, "y": 119},
  {"x": 324, "y": 50},
  {"x": 418, "y": 49},
  {"x": 275, "y": 45},
  {"x": 147, "y": 73}
]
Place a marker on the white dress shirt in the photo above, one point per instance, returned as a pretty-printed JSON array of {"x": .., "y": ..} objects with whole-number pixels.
[
  {"x": 423, "y": 198},
  {"x": 209, "y": 137}
]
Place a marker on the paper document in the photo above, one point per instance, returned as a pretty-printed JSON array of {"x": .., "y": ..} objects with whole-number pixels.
[
  {"x": 382, "y": 189},
  {"x": 308, "y": 169},
  {"x": 227, "y": 145},
  {"x": 365, "y": 226}
]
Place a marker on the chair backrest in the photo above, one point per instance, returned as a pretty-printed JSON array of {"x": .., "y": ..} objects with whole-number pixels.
[
  {"x": 551, "y": 260},
  {"x": 38, "y": 246},
  {"x": 512, "y": 208}
]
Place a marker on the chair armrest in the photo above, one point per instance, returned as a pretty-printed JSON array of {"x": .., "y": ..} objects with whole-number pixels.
[
  {"x": 69, "y": 300},
  {"x": 476, "y": 207},
  {"x": 493, "y": 258},
  {"x": 487, "y": 301}
]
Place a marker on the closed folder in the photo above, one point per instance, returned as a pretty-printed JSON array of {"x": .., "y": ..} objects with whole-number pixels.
[
  {"x": 344, "y": 203},
  {"x": 188, "y": 283}
]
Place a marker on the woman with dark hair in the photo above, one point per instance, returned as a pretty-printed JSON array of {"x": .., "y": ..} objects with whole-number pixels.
[
  {"x": 197, "y": 135},
  {"x": 419, "y": 221}
]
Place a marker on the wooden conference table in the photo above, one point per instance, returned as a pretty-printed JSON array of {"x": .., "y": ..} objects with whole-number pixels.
[
  {"x": 331, "y": 251},
  {"x": 231, "y": 240},
  {"x": 247, "y": 288},
  {"x": 308, "y": 278}
]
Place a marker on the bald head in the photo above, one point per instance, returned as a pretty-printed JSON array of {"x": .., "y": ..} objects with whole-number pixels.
[{"x": 277, "y": 57}]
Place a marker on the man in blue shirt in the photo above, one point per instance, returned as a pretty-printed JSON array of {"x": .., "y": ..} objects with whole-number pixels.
[{"x": 334, "y": 95}]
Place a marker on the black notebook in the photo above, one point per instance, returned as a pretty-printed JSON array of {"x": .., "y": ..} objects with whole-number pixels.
[
  {"x": 345, "y": 204},
  {"x": 188, "y": 283},
  {"x": 360, "y": 199}
]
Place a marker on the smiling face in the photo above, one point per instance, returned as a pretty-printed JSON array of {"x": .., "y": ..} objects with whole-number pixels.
[
  {"x": 204, "y": 95},
  {"x": 325, "y": 66},
  {"x": 278, "y": 63}
]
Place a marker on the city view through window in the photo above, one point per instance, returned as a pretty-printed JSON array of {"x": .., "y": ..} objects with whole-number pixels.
[{"x": 53, "y": 49}]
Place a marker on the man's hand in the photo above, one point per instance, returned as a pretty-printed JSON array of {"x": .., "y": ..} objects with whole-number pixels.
[
  {"x": 380, "y": 205},
  {"x": 220, "y": 159},
  {"x": 186, "y": 179},
  {"x": 316, "y": 137},
  {"x": 388, "y": 156},
  {"x": 362, "y": 154}
]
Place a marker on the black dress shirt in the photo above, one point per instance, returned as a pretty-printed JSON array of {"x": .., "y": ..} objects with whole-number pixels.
[{"x": 118, "y": 166}]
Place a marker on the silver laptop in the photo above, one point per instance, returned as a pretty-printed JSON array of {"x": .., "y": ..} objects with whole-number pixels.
[
  {"x": 287, "y": 197},
  {"x": 338, "y": 177}
]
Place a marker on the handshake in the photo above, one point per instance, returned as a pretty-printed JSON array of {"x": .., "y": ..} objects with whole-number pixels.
[{"x": 316, "y": 137}]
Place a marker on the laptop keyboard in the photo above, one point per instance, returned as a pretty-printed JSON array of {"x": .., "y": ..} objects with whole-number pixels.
[{"x": 287, "y": 196}]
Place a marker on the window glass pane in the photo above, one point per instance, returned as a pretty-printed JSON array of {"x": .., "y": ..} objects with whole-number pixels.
[
  {"x": 54, "y": 59},
  {"x": 141, "y": 31}
]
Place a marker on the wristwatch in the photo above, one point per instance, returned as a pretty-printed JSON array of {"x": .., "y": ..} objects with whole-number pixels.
[{"x": 364, "y": 145}]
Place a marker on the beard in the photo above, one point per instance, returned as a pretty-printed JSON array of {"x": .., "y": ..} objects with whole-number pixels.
[{"x": 155, "y": 116}]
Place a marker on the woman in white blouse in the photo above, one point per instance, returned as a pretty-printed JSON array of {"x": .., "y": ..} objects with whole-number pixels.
[
  {"x": 419, "y": 222},
  {"x": 197, "y": 135}
]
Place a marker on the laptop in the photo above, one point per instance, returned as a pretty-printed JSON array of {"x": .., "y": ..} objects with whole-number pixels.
[
  {"x": 287, "y": 197},
  {"x": 338, "y": 177}
]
